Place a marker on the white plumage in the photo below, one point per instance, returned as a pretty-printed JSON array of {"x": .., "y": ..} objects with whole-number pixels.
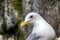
[{"x": 41, "y": 29}]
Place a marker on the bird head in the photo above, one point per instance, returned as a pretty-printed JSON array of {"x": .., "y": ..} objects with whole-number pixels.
[{"x": 31, "y": 18}]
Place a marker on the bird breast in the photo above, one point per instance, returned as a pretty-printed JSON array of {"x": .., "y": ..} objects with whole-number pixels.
[{"x": 42, "y": 28}]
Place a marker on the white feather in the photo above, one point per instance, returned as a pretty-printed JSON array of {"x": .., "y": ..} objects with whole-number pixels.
[{"x": 42, "y": 29}]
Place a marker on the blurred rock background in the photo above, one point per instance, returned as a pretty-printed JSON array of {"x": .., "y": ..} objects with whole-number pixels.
[{"x": 10, "y": 18}]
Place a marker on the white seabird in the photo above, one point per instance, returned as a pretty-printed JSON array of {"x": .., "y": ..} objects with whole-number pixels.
[{"x": 41, "y": 29}]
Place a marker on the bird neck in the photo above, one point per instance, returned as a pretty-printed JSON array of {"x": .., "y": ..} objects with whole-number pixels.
[{"x": 38, "y": 23}]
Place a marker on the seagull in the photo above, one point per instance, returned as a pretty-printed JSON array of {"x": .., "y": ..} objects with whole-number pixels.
[{"x": 41, "y": 29}]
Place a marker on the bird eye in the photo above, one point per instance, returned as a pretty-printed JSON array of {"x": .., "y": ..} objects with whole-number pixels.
[{"x": 31, "y": 16}]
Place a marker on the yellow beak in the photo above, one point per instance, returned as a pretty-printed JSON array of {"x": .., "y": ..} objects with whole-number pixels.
[{"x": 24, "y": 23}]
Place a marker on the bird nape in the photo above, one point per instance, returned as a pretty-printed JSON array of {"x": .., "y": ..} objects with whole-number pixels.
[{"x": 41, "y": 29}]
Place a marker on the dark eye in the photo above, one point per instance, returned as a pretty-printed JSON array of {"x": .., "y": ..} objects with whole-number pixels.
[{"x": 31, "y": 16}]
